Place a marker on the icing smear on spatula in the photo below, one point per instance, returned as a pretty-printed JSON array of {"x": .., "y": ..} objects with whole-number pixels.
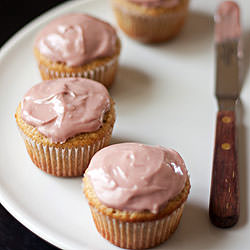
[{"x": 227, "y": 22}]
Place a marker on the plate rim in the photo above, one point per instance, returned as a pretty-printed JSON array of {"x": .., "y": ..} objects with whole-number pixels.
[{"x": 5, "y": 197}]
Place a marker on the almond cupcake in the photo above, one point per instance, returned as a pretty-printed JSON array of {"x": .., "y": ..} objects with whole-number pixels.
[
  {"x": 78, "y": 45},
  {"x": 136, "y": 193},
  {"x": 151, "y": 21},
  {"x": 64, "y": 122}
]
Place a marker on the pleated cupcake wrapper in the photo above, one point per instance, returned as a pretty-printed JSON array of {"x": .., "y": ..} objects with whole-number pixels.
[
  {"x": 150, "y": 28},
  {"x": 104, "y": 74},
  {"x": 66, "y": 162},
  {"x": 136, "y": 235}
]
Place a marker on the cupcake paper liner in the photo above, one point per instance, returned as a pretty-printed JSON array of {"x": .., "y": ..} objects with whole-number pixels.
[
  {"x": 65, "y": 162},
  {"x": 150, "y": 29},
  {"x": 136, "y": 235},
  {"x": 104, "y": 74}
]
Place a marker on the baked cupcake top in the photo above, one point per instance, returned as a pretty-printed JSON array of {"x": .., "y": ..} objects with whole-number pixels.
[
  {"x": 65, "y": 107},
  {"x": 76, "y": 39},
  {"x": 157, "y": 3},
  {"x": 136, "y": 177}
]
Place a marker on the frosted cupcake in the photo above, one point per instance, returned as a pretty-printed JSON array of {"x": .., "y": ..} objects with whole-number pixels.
[
  {"x": 78, "y": 45},
  {"x": 64, "y": 122},
  {"x": 136, "y": 193},
  {"x": 151, "y": 21}
]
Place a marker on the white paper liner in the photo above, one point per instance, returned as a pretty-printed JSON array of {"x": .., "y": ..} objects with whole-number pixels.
[
  {"x": 104, "y": 74},
  {"x": 136, "y": 235},
  {"x": 66, "y": 162}
]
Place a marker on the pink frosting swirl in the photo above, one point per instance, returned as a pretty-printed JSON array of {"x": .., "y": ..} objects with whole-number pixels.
[
  {"x": 65, "y": 107},
  {"x": 136, "y": 177},
  {"x": 157, "y": 3},
  {"x": 76, "y": 39}
]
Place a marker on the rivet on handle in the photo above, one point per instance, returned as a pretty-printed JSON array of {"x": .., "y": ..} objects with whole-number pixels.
[
  {"x": 225, "y": 146},
  {"x": 226, "y": 119}
]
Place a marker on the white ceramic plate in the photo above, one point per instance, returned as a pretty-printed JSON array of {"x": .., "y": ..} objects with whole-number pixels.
[{"x": 164, "y": 95}]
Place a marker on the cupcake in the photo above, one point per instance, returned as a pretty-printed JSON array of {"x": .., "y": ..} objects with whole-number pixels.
[
  {"x": 64, "y": 122},
  {"x": 136, "y": 193},
  {"x": 78, "y": 45},
  {"x": 150, "y": 21}
]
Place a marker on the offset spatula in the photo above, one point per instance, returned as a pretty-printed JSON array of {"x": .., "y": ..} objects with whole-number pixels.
[{"x": 224, "y": 195}]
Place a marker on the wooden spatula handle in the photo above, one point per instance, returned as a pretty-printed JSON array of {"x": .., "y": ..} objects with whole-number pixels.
[{"x": 224, "y": 206}]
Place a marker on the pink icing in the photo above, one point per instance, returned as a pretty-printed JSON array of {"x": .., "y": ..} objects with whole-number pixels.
[
  {"x": 136, "y": 177},
  {"x": 76, "y": 39},
  {"x": 227, "y": 21},
  {"x": 157, "y": 3},
  {"x": 65, "y": 107}
]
